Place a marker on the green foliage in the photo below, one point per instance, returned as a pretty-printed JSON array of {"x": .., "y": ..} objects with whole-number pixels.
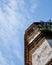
[{"x": 45, "y": 27}]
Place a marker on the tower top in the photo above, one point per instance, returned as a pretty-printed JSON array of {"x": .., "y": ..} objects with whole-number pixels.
[
  {"x": 37, "y": 28},
  {"x": 38, "y": 44}
]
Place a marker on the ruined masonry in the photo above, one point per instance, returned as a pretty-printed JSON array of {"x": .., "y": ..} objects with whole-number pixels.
[{"x": 38, "y": 44}]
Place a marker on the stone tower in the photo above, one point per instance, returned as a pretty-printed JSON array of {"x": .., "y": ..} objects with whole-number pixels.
[{"x": 38, "y": 44}]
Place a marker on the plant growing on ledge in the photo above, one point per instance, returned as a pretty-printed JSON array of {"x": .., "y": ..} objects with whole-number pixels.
[{"x": 45, "y": 26}]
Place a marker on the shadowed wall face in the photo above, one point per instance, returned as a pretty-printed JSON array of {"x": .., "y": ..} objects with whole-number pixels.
[{"x": 43, "y": 54}]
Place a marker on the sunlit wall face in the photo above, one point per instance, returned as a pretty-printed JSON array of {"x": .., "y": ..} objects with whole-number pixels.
[{"x": 43, "y": 54}]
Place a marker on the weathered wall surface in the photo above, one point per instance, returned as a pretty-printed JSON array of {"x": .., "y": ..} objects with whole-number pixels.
[{"x": 43, "y": 54}]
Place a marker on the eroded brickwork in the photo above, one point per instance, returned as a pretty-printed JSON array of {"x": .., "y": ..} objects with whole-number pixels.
[{"x": 29, "y": 49}]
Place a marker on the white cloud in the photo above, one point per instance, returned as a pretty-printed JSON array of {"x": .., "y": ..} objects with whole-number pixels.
[
  {"x": 33, "y": 7},
  {"x": 2, "y": 60},
  {"x": 13, "y": 16}
]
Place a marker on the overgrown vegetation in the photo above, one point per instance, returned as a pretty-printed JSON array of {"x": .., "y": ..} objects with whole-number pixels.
[{"x": 45, "y": 26}]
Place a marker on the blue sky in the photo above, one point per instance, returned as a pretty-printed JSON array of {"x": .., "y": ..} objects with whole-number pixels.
[{"x": 15, "y": 17}]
